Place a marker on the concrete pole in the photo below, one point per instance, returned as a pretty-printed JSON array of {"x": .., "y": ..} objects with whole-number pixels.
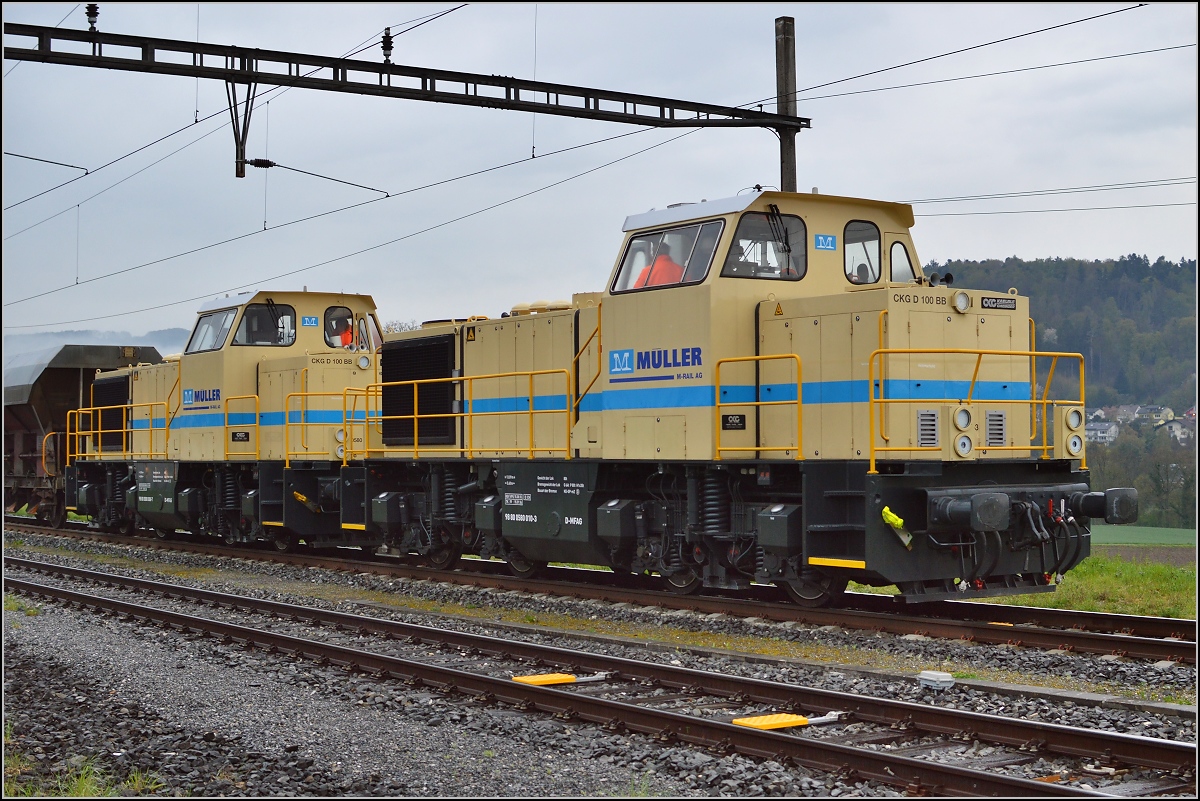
[{"x": 785, "y": 88}]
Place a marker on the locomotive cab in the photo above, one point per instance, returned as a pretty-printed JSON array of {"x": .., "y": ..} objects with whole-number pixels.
[{"x": 229, "y": 435}]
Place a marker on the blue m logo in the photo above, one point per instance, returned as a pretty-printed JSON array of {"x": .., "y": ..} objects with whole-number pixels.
[
  {"x": 824, "y": 242},
  {"x": 187, "y": 396},
  {"x": 620, "y": 361}
]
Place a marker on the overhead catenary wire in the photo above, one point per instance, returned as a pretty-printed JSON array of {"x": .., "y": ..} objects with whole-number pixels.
[
  {"x": 325, "y": 214},
  {"x": 60, "y": 22},
  {"x": 515, "y": 162},
  {"x": 1151, "y": 184},
  {"x": 997, "y": 73},
  {"x": 1049, "y": 211},
  {"x": 281, "y": 89},
  {"x": 361, "y": 251},
  {"x": 387, "y": 195},
  {"x": 45, "y": 161},
  {"x": 952, "y": 52}
]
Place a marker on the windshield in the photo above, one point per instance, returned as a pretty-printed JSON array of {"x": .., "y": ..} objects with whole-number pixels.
[
  {"x": 211, "y": 330},
  {"x": 668, "y": 258},
  {"x": 768, "y": 246},
  {"x": 267, "y": 324}
]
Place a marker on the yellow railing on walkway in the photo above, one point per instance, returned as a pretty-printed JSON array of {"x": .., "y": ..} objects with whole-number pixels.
[
  {"x": 878, "y": 402},
  {"x": 798, "y": 403},
  {"x": 374, "y": 414},
  {"x": 337, "y": 400},
  {"x": 252, "y": 426},
  {"x": 88, "y": 425}
]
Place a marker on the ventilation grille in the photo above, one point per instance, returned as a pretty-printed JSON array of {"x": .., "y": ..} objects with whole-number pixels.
[
  {"x": 413, "y": 360},
  {"x": 997, "y": 429},
  {"x": 927, "y": 428}
]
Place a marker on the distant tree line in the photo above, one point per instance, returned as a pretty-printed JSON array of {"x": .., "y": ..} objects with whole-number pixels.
[
  {"x": 1163, "y": 470},
  {"x": 1134, "y": 321}
]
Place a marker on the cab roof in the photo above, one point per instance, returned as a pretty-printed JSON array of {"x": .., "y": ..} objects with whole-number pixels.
[
  {"x": 243, "y": 298},
  {"x": 682, "y": 212}
]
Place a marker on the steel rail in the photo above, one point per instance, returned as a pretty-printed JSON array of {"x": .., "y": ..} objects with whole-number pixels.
[
  {"x": 1066, "y": 740},
  {"x": 913, "y": 774},
  {"x": 982, "y": 630}
]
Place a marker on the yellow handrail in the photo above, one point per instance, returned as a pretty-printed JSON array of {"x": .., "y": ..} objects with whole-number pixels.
[
  {"x": 1045, "y": 403},
  {"x": 799, "y": 402},
  {"x": 303, "y": 409},
  {"x": 172, "y": 413},
  {"x": 596, "y": 334},
  {"x": 882, "y": 377},
  {"x": 1033, "y": 420},
  {"x": 375, "y": 391},
  {"x": 228, "y": 437},
  {"x": 129, "y": 416}
]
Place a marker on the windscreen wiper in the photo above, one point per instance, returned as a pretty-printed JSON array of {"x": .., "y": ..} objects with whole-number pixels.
[{"x": 779, "y": 232}]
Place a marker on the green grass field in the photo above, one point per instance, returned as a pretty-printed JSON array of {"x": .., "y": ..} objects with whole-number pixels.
[
  {"x": 1141, "y": 535},
  {"x": 1108, "y": 584}
]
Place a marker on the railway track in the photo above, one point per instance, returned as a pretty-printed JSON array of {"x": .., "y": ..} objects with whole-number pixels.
[
  {"x": 1150, "y": 638},
  {"x": 903, "y": 744}
]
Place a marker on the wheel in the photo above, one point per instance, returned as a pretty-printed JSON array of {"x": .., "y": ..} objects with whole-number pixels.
[
  {"x": 524, "y": 568},
  {"x": 684, "y": 583},
  {"x": 125, "y": 527},
  {"x": 445, "y": 555},
  {"x": 285, "y": 543},
  {"x": 164, "y": 534},
  {"x": 814, "y": 589},
  {"x": 230, "y": 537}
]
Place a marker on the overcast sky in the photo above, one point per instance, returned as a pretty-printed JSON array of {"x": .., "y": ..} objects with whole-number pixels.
[{"x": 1130, "y": 119}]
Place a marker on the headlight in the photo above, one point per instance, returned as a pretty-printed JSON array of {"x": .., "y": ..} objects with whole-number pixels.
[
  {"x": 962, "y": 419},
  {"x": 962, "y": 302},
  {"x": 1074, "y": 444},
  {"x": 341, "y": 451},
  {"x": 1074, "y": 419},
  {"x": 339, "y": 435},
  {"x": 963, "y": 445},
  {"x": 364, "y": 362}
]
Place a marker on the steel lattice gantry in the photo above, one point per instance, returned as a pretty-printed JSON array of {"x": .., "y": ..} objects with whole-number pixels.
[{"x": 252, "y": 66}]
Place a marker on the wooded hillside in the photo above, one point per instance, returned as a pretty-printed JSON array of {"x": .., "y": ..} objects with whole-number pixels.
[{"x": 1133, "y": 321}]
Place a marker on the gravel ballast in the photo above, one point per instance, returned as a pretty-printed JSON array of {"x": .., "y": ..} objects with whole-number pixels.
[
  {"x": 250, "y": 703},
  {"x": 208, "y": 719}
]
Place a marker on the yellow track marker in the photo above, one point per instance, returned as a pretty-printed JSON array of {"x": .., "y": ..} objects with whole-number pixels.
[
  {"x": 781, "y": 721},
  {"x": 546, "y": 678}
]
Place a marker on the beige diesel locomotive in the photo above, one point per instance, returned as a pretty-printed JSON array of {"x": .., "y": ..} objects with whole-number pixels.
[{"x": 769, "y": 389}]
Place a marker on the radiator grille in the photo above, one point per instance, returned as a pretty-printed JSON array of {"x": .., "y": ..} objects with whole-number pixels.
[
  {"x": 927, "y": 428},
  {"x": 412, "y": 360},
  {"x": 997, "y": 429}
]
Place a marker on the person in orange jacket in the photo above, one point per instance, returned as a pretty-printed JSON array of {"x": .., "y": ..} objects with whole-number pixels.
[{"x": 662, "y": 271}]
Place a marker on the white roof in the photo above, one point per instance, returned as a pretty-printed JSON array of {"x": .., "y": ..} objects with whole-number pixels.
[
  {"x": 224, "y": 303},
  {"x": 680, "y": 212}
]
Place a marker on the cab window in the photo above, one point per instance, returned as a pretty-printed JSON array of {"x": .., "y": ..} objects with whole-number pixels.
[
  {"x": 211, "y": 330},
  {"x": 768, "y": 246},
  {"x": 339, "y": 327},
  {"x": 266, "y": 324},
  {"x": 902, "y": 269},
  {"x": 861, "y": 244},
  {"x": 668, "y": 258}
]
